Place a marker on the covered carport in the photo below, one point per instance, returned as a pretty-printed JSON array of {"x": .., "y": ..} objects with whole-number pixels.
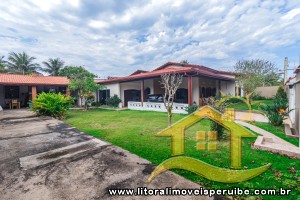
[{"x": 24, "y": 88}]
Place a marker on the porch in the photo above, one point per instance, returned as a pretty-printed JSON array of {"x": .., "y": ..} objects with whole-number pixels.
[
  {"x": 194, "y": 90},
  {"x": 23, "y": 94}
]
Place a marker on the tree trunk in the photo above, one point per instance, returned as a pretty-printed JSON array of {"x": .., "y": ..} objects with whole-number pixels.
[
  {"x": 85, "y": 105},
  {"x": 80, "y": 104},
  {"x": 169, "y": 117}
]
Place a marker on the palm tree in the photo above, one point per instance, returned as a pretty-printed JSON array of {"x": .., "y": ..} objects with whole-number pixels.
[
  {"x": 53, "y": 66},
  {"x": 2, "y": 64},
  {"x": 22, "y": 63}
]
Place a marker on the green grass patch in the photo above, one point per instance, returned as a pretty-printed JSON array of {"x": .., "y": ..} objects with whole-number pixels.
[
  {"x": 278, "y": 131},
  {"x": 135, "y": 131},
  {"x": 255, "y": 105}
]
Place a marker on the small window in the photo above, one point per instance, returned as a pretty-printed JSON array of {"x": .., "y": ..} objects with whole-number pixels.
[{"x": 12, "y": 92}]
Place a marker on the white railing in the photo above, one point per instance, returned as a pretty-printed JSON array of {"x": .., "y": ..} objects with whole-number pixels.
[{"x": 152, "y": 106}]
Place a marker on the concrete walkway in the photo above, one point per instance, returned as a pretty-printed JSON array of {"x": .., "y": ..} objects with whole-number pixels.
[
  {"x": 16, "y": 113},
  {"x": 44, "y": 158},
  {"x": 250, "y": 116},
  {"x": 271, "y": 142}
]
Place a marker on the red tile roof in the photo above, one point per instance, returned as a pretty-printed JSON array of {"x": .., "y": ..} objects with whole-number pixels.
[
  {"x": 17, "y": 79},
  {"x": 289, "y": 80},
  {"x": 138, "y": 72},
  {"x": 178, "y": 68}
]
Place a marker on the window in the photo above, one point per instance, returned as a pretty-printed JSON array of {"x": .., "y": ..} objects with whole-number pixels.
[
  {"x": 12, "y": 92},
  {"x": 181, "y": 96},
  {"x": 103, "y": 95}
]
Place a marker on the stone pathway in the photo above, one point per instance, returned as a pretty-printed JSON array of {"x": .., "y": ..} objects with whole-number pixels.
[{"x": 271, "y": 142}]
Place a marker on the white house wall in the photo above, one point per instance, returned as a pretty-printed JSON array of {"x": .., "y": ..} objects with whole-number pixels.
[
  {"x": 228, "y": 87},
  {"x": 148, "y": 83},
  {"x": 297, "y": 105},
  {"x": 196, "y": 90},
  {"x": 291, "y": 94},
  {"x": 114, "y": 90},
  {"x": 207, "y": 82}
]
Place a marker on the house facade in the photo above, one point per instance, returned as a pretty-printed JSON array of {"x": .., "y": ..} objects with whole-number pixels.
[
  {"x": 24, "y": 88},
  {"x": 198, "y": 84},
  {"x": 293, "y": 92}
]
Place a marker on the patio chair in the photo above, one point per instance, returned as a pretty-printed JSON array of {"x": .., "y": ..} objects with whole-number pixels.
[{"x": 14, "y": 103}]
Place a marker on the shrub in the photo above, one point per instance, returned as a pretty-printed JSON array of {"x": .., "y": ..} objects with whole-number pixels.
[
  {"x": 276, "y": 112},
  {"x": 52, "y": 104},
  {"x": 281, "y": 94},
  {"x": 214, "y": 126},
  {"x": 191, "y": 109},
  {"x": 113, "y": 101},
  {"x": 258, "y": 97},
  {"x": 233, "y": 100},
  {"x": 96, "y": 103}
]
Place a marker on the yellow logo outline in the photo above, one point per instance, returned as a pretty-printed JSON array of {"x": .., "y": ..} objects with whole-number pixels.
[{"x": 237, "y": 132}]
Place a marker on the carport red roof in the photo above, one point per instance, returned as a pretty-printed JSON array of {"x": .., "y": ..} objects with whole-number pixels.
[
  {"x": 17, "y": 79},
  {"x": 172, "y": 67}
]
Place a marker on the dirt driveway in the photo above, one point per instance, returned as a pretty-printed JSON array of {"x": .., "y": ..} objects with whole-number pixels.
[{"x": 43, "y": 158}]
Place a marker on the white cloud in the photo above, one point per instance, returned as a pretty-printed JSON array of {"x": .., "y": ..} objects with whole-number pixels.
[
  {"x": 291, "y": 14},
  {"x": 46, "y": 5},
  {"x": 118, "y": 37},
  {"x": 98, "y": 24}
]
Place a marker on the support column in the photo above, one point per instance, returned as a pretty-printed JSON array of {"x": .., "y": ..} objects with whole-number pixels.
[
  {"x": 190, "y": 102},
  {"x": 142, "y": 91},
  {"x": 196, "y": 90},
  {"x": 67, "y": 91},
  {"x": 219, "y": 85},
  {"x": 33, "y": 92},
  {"x": 217, "y": 88}
]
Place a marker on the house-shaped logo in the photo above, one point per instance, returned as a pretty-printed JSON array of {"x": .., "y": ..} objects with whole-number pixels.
[{"x": 209, "y": 141}]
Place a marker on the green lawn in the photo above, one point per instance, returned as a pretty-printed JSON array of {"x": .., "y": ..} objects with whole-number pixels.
[
  {"x": 134, "y": 131},
  {"x": 278, "y": 131},
  {"x": 255, "y": 105}
]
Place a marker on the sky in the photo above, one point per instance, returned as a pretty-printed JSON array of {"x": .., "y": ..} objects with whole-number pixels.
[{"x": 117, "y": 37}]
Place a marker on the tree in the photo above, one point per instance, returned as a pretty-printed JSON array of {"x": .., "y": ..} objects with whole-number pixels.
[
  {"x": 22, "y": 63},
  {"x": 2, "y": 65},
  {"x": 53, "y": 66},
  {"x": 81, "y": 81},
  {"x": 170, "y": 83},
  {"x": 256, "y": 73},
  {"x": 184, "y": 62}
]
